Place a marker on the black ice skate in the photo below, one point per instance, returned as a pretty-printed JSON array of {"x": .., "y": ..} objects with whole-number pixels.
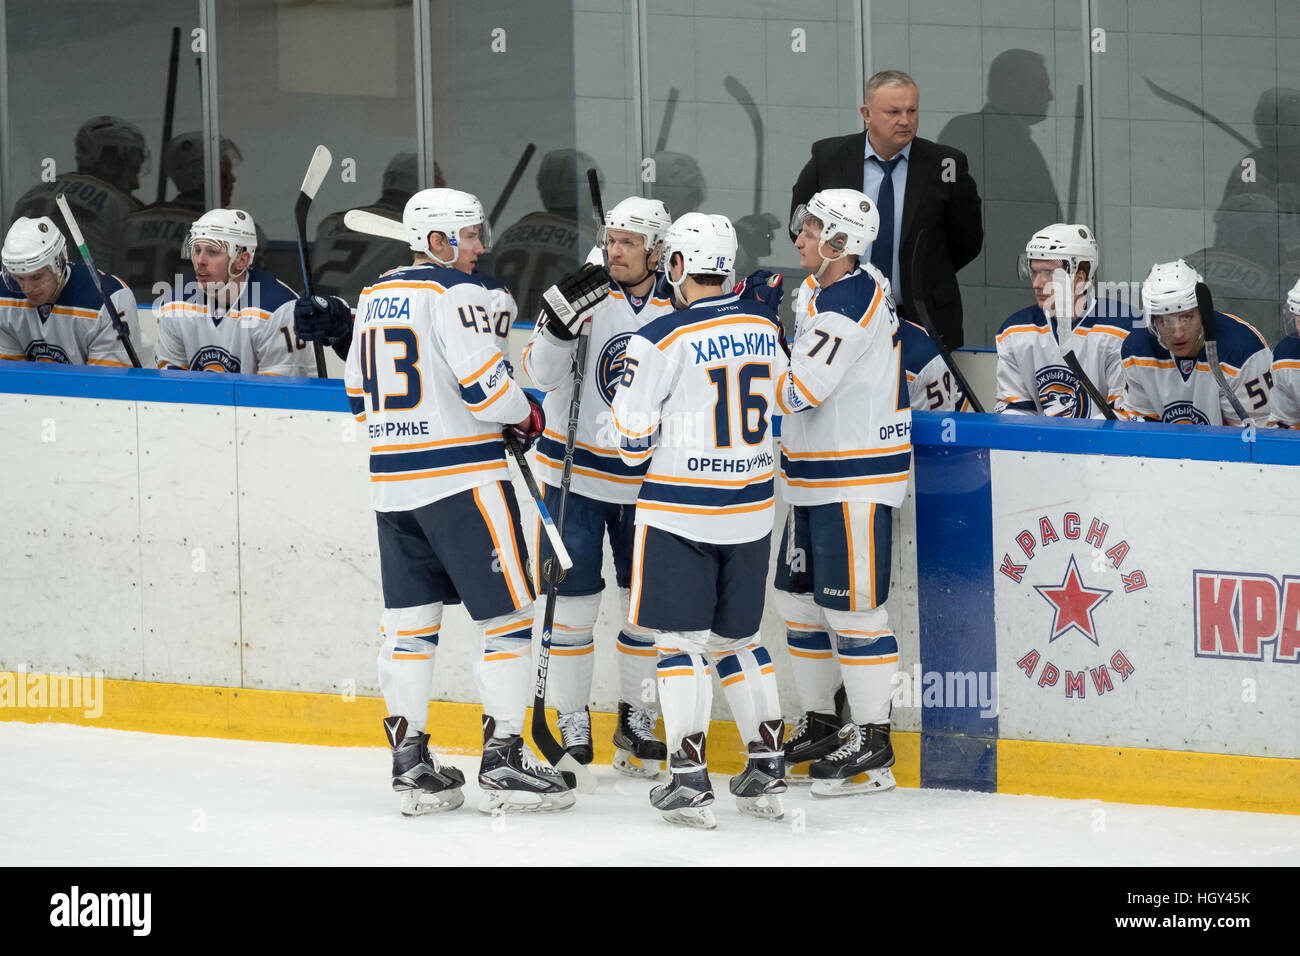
[
  {"x": 814, "y": 737},
  {"x": 759, "y": 786},
  {"x": 575, "y": 732},
  {"x": 425, "y": 784},
  {"x": 512, "y": 780},
  {"x": 638, "y": 753},
  {"x": 686, "y": 798},
  {"x": 861, "y": 765}
]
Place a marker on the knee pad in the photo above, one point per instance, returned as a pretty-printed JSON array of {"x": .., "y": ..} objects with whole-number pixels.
[
  {"x": 511, "y": 632},
  {"x": 574, "y": 619},
  {"x": 859, "y": 627},
  {"x": 411, "y": 629},
  {"x": 800, "y": 612}
]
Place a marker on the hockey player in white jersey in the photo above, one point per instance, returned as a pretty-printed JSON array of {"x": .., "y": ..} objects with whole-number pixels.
[
  {"x": 1033, "y": 377},
  {"x": 426, "y": 375},
  {"x": 845, "y": 459},
  {"x": 603, "y": 490},
  {"x": 232, "y": 317},
  {"x": 931, "y": 386},
  {"x": 694, "y": 401},
  {"x": 111, "y": 157},
  {"x": 1284, "y": 403},
  {"x": 1167, "y": 377},
  {"x": 50, "y": 310}
]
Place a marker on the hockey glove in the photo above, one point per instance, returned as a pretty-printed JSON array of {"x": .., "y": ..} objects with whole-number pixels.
[
  {"x": 565, "y": 303},
  {"x": 764, "y": 286},
  {"x": 322, "y": 319},
  {"x": 530, "y": 429}
]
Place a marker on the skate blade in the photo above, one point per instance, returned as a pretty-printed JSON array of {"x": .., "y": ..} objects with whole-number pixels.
[
  {"x": 767, "y": 806},
  {"x": 872, "y": 781},
  {"x": 416, "y": 803},
  {"x": 523, "y": 801},
  {"x": 627, "y": 763},
  {"x": 700, "y": 818}
]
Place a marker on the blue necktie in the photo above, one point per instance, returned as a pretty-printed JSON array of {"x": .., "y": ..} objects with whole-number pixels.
[{"x": 882, "y": 250}]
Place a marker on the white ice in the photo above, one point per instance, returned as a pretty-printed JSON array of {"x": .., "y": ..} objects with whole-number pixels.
[{"x": 86, "y": 796}]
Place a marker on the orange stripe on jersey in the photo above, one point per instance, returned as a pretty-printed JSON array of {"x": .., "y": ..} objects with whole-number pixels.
[
  {"x": 1041, "y": 330},
  {"x": 595, "y": 449},
  {"x": 479, "y": 408},
  {"x": 20, "y": 358},
  {"x": 441, "y": 472},
  {"x": 871, "y": 309},
  {"x": 630, "y": 434},
  {"x": 75, "y": 312},
  {"x": 802, "y": 483},
  {"x": 677, "y": 672},
  {"x": 806, "y": 394},
  {"x": 475, "y": 377},
  {"x": 721, "y": 482},
  {"x": 851, "y": 453},
  {"x": 869, "y": 660},
  {"x": 587, "y": 472},
  {"x": 668, "y": 340},
  {"x": 684, "y": 510},
  {"x": 472, "y": 440},
  {"x": 812, "y": 655},
  {"x": 1106, "y": 330},
  {"x": 398, "y": 284},
  {"x": 1288, "y": 363},
  {"x": 91, "y": 361}
]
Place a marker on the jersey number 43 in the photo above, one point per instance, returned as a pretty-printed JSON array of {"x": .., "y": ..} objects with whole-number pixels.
[{"x": 376, "y": 380}]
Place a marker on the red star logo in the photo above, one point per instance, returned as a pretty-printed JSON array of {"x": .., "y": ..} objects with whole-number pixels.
[{"x": 1074, "y": 604}]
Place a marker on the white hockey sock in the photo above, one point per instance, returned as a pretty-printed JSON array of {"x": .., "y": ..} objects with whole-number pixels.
[
  {"x": 504, "y": 670},
  {"x": 867, "y": 666},
  {"x": 637, "y": 658},
  {"x": 812, "y": 658},
  {"x": 568, "y": 678},
  {"x": 749, "y": 682},
  {"x": 406, "y": 661},
  {"x": 685, "y": 692}
]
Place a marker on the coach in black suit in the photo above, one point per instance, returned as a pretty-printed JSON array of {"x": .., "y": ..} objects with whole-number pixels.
[{"x": 939, "y": 197}]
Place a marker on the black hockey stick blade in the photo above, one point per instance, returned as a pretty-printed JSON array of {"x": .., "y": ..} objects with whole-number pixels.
[
  {"x": 923, "y": 313},
  {"x": 1072, "y": 360},
  {"x": 666, "y": 126},
  {"x": 746, "y": 100},
  {"x": 598, "y": 208},
  {"x": 1209, "y": 328},
  {"x": 511, "y": 183},
  {"x": 316, "y": 170}
]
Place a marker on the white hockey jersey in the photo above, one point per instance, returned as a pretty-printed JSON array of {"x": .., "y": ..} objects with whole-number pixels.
[
  {"x": 504, "y": 312},
  {"x": 98, "y": 206},
  {"x": 931, "y": 386},
  {"x": 254, "y": 335},
  {"x": 847, "y": 430},
  {"x": 1033, "y": 377},
  {"x": 426, "y": 375},
  {"x": 695, "y": 400},
  {"x": 75, "y": 330},
  {"x": 1158, "y": 387},
  {"x": 598, "y": 471},
  {"x": 1284, "y": 399}
]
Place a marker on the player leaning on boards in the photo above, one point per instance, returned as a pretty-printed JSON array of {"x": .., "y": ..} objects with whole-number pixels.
[
  {"x": 1167, "y": 377},
  {"x": 1284, "y": 403},
  {"x": 231, "y": 317},
  {"x": 845, "y": 458},
  {"x": 426, "y": 374},
  {"x": 50, "y": 310},
  {"x": 1033, "y": 376},
  {"x": 603, "y": 490},
  {"x": 694, "y": 401}
]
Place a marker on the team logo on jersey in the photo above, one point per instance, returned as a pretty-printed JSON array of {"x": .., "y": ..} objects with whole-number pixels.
[
  {"x": 45, "y": 311},
  {"x": 1239, "y": 613},
  {"x": 1060, "y": 395},
  {"x": 1183, "y": 413},
  {"x": 1074, "y": 579},
  {"x": 609, "y": 366},
  {"x": 213, "y": 358},
  {"x": 45, "y": 352}
]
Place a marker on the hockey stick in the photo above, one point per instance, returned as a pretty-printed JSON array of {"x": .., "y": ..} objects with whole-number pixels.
[
  {"x": 373, "y": 224},
  {"x": 551, "y": 749},
  {"x": 169, "y": 111},
  {"x": 923, "y": 313},
  {"x": 747, "y": 103},
  {"x": 1076, "y": 157},
  {"x": 123, "y": 333},
  {"x": 662, "y": 143},
  {"x": 1063, "y": 292},
  {"x": 539, "y": 502},
  {"x": 1210, "y": 118},
  {"x": 511, "y": 183},
  {"x": 316, "y": 170},
  {"x": 1205, "y": 305}
]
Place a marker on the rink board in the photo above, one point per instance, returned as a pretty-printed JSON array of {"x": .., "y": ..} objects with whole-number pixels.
[{"x": 208, "y": 538}]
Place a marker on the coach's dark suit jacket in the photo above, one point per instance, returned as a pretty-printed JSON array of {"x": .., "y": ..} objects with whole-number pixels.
[{"x": 948, "y": 212}]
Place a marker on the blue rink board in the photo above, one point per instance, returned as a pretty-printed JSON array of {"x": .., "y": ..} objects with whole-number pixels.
[{"x": 953, "y": 507}]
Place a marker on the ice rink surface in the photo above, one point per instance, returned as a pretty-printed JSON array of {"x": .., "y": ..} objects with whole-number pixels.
[{"x": 79, "y": 796}]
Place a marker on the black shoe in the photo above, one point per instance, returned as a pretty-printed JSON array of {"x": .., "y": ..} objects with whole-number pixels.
[
  {"x": 425, "y": 784},
  {"x": 512, "y": 779},
  {"x": 815, "y": 735},
  {"x": 575, "y": 732},
  {"x": 860, "y": 765},
  {"x": 638, "y": 752},
  {"x": 758, "y": 787},
  {"x": 686, "y": 798}
]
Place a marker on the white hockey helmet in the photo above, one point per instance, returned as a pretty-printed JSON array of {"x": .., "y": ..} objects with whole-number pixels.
[
  {"x": 850, "y": 222},
  {"x": 183, "y": 159},
  {"x": 1293, "y": 307},
  {"x": 1170, "y": 287},
  {"x": 447, "y": 211},
  {"x": 647, "y": 217},
  {"x": 233, "y": 229},
  {"x": 1071, "y": 243},
  {"x": 31, "y": 245},
  {"x": 707, "y": 244},
  {"x": 103, "y": 132}
]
